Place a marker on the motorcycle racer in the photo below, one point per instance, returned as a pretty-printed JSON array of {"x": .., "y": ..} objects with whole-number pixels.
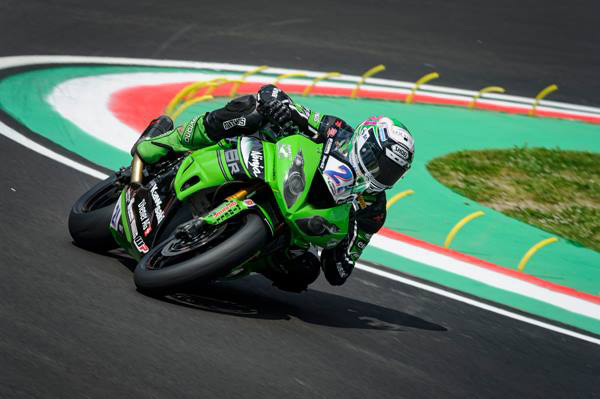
[{"x": 380, "y": 150}]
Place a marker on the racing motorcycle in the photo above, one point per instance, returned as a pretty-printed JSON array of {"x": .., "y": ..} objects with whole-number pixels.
[{"x": 220, "y": 212}]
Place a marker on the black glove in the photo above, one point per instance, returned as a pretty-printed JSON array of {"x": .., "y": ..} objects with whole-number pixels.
[
  {"x": 276, "y": 112},
  {"x": 335, "y": 263}
]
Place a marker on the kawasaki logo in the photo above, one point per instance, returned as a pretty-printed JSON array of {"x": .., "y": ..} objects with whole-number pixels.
[{"x": 160, "y": 215}]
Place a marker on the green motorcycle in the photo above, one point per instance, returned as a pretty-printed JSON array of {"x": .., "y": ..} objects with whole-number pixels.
[{"x": 221, "y": 212}]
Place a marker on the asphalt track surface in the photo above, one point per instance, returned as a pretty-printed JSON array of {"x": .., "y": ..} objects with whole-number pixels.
[{"x": 72, "y": 324}]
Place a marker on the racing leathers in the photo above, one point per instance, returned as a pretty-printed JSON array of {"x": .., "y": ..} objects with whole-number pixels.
[{"x": 272, "y": 114}]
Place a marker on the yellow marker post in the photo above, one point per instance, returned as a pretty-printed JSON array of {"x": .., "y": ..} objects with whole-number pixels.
[
  {"x": 365, "y": 76},
  {"x": 254, "y": 71},
  {"x": 422, "y": 81},
  {"x": 540, "y": 96},
  {"x": 183, "y": 93},
  {"x": 316, "y": 80},
  {"x": 211, "y": 86},
  {"x": 488, "y": 89},
  {"x": 191, "y": 90},
  {"x": 188, "y": 104},
  {"x": 533, "y": 250},
  {"x": 398, "y": 197},
  {"x": 460, "y": 225},
  {"x": 287, "y": 75}
]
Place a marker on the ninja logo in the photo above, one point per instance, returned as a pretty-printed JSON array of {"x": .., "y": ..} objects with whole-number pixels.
[
  {"x": 256, "y": 163},
  {"x": 234, "y": 122}
]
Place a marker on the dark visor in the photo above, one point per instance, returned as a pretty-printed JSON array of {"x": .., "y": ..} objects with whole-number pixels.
[{"x": 383, "y": 169}]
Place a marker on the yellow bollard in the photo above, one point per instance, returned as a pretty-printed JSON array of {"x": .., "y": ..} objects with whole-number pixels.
[
  {"x": 423, "y": 80},
  {"x": 254, "y": 71},
  {"x": 188, "y": 104},
  {"x": 488, "y": 89},
  {"x": 398, "y": 197},
  {"x": 460, "y": 225},
  {"x": 365, "y": 76},
  {"x": 190, "y": 91},
  {"x": 318, "y": 79},
  {"x": 533, "y": 250},
  {"x": 211, "y": 84},
  {"x": 539, "y": 97},
  {"x": 179, "y": 97},
  {"x": 287, "y": 75}
]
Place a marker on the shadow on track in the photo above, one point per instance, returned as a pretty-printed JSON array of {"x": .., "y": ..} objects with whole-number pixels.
[{"x": 253, "y": 297}]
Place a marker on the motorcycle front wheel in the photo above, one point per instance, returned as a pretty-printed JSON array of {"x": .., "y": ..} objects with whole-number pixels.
[
  {"x": 89, "y": 219},
  {"x": 177, "y": 264}
]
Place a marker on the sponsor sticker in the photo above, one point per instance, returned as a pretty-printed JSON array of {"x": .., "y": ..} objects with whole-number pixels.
[
  {"x": 328, "y": 146},
  {"x": 232, "y": 159},
  {"x": 241, "y": 121},
  {"x": 221, "y": 211},
  {"x": 143, "y": 212},
  {"x": 395, "y": 157},
  {"x": 256, "y": 163},
  {"x": 249, "y": 203},
  {"x": 158, "y": 212},
  {"x": 116, "y": 216},
  {"x": 131, "y": 217},
  {"x": 141, "y": 246},
  {"x": 397, "y": 148},
  {"x": 285, "y": 151},
  {"x": 189, "y": 131}
]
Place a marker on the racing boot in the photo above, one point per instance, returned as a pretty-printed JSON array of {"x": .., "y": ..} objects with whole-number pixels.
[
  {"x": 294, "y": 271},
  {"x": 189, "y": 136}
]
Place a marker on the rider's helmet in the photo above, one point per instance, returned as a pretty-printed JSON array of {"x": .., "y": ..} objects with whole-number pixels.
[{"x": 381, "y": 152}]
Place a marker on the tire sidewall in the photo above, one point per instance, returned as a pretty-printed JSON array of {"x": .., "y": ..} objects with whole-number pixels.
[{"x": 217, "y": 261}]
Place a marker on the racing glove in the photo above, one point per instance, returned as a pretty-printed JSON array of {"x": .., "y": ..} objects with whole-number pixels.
[
  {"x": 366, "y": 219},
  {"x": 276, "y": 112}
]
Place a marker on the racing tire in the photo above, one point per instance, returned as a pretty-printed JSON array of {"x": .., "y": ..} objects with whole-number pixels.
[
  {"x": 247, "y": 239},
  {"x": 90, "y": 216}
]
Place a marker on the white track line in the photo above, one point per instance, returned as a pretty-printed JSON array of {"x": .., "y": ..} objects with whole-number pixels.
[
  {"x": 478, "y": 304},
  {"x": 24, "y": 141},
  {"x": 32, "y": 145}
]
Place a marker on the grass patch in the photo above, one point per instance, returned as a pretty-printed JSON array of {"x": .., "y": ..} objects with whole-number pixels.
[{"x": 557, "y": 191}]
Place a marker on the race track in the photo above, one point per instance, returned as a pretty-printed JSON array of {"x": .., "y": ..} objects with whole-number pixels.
[{"x": 72, "y": 324}]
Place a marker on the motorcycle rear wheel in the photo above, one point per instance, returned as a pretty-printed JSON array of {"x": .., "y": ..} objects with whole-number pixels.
[{"x": 176, "y": 265}]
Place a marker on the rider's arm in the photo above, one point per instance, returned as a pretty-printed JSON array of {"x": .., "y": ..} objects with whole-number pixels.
[
  {"x": 303, "y": 120},
  {"x": 338, "y": 262}
]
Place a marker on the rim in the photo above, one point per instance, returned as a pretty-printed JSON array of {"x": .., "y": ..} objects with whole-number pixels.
[{"x": 175, "y": 250}]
